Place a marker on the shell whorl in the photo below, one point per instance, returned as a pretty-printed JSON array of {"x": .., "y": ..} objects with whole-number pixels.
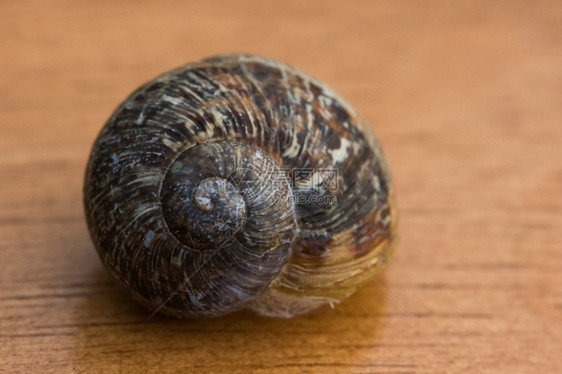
[
  {"x": 207, "y": 200},
  {"x": 202, "y": 191}
]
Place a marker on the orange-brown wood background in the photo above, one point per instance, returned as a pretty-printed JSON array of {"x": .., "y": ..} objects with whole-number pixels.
[{"x": 471, "y": 125}]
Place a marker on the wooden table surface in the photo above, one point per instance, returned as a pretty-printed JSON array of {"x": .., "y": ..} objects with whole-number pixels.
[{"x": 471, "y": 125}]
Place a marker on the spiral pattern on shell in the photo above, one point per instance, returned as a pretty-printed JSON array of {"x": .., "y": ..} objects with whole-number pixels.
[{"x": 238, "y": 182}]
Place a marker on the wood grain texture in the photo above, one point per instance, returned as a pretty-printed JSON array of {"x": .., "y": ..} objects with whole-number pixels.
[{"x": 471, "y": 126}]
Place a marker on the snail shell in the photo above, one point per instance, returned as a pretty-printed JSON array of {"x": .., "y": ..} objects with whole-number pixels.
[{"x": 237, "y": 182}]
